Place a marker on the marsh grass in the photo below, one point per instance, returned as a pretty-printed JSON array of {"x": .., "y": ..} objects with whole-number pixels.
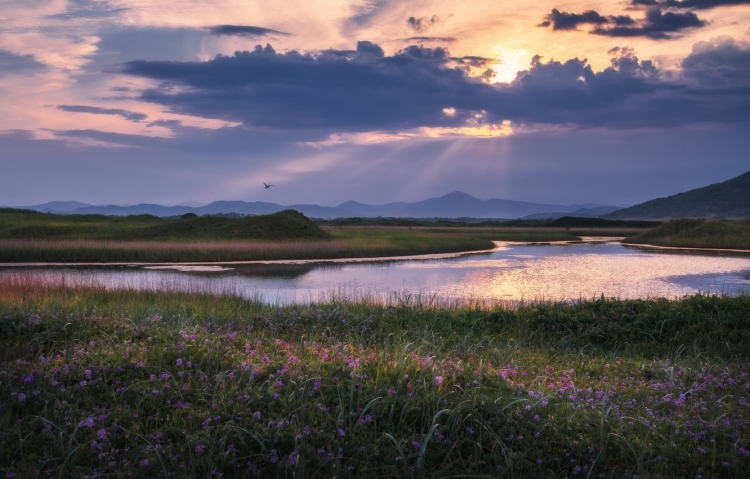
[
  {"x": 156, "y": 383},
  {"x": 697, "y": 233},
  {"x": 344, "y": 243}
]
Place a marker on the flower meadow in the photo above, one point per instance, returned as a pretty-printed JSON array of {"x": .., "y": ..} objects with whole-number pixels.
[{"x": 98, "y": 383}]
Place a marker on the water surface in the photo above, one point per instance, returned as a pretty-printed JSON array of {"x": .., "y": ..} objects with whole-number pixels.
[{"x": 512, "y": 272}]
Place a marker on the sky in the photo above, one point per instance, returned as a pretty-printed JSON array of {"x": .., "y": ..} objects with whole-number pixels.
[{"x": 144, "y": 101}]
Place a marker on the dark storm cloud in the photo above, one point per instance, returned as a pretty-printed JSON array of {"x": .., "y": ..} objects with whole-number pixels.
[
  {"x": 422, "y": 24},
  {"x": 244, "y": 31},
  {"x": 657, "y": 24},
  {"x": 12, "y": 64},
  {"x": 720, "y": 62},
  {"x": 690, "y": 4},
  {"x": 570, "y": 21},
  {"x": 361, "y": 90},
  {"x": 127, "y": 114}
]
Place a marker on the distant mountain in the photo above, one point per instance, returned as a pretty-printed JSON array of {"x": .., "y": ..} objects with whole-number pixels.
[
  {"x": 580, "y": 213},
  {"x": 452, "y": 205},
  {"x": 458, "y": 205},
  {"x": 56, "y": 206},
  {"x": 727, "y": 200}
]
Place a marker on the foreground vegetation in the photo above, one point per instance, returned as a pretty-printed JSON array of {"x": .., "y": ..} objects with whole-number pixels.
[
  {"x": 697, "y": 233},
  {"x": 156, "y": 384}
]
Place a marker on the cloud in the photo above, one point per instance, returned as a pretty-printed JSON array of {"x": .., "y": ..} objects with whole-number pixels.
[
  {"x": 244, "y": 31},
  {"x": 12, "y": 64},
  {"x": 657, "y": 24},
  {"x": 719, "y": 62},
  {"x": 570, "y": 21},
  {"x": 117, "y": 45},
  {"x": 89, "y": 9},
  {"x": 430, "y": 39},
  {"x": 364, "y": 90},
  {"x": 127, "y": 114},
  {"x": 423, "y": 24},
  {"x": 691, "y": 4}
]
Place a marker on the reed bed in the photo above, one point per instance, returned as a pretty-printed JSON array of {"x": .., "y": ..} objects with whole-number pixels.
[
  {"x": 363, "y": 245},
  {"x": 98, "y": 383},
  {"x": 697, "y": 233}
]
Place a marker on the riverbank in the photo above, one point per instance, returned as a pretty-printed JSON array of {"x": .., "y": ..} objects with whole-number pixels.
[
  {"x": 157, "y": 383},
  {"x": 362, "y": 242},
  {"x": 697, "y": 234}
]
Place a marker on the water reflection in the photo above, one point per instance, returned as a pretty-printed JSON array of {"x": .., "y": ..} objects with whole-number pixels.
[{"x": 512, "y": 272}]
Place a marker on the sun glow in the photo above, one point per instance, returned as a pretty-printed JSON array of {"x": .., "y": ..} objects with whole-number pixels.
[{"x": 511, "y": 62}]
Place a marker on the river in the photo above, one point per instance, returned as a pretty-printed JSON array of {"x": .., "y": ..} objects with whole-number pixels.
[{"x": 510, "y": 273}]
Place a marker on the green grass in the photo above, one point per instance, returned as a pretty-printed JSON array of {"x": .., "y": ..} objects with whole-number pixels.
[
  {"x": 697, "y": 233},
  {"x": 30, "y": 225},
  {"x": 157, "y": 383},
  {"x": 27, "y": 236},
  {"x": 564, "y": 222},
  {"x": 341, "y": 243}
]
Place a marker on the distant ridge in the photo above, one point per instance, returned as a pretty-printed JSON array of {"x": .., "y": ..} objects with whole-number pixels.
[
  {"x": 453, "y": 205},
  {"x": 727, "y": 200}
]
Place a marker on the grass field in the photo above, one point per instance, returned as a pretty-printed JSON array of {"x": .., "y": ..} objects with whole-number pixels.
[
  {"x": 697, "y": 233},
  {"x": 158, "y": 384},
  {"x": 27, "y": 236},
  {"x": 286, "y": 225}
]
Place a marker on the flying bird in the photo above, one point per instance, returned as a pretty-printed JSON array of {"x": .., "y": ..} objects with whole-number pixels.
[{"x": 267, "y": 186}]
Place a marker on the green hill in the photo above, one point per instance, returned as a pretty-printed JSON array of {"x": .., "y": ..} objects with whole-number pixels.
[
  {"x": 727, "y": 200},
  {"x": 284, "y": 225}
]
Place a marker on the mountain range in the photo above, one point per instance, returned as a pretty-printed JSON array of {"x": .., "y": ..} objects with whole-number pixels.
[{"x": 452, "y": 205}]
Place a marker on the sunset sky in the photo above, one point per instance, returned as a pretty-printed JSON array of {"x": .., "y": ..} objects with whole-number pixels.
[{"x": 133, "y": 101}]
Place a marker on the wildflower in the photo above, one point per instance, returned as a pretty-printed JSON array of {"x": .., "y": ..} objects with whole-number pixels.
[
  {"x": 199, "y": 449},
  {"x": 88, "y": 422},
  {"x": 256, "y": 415},
  {"x": 438, "y": 380},
  {"x": 144, "y": 463},
  {"x": 21, "y": 397},
  {"x": 415, "y": 444},
  {"x": 87, "y": 373},
  {"x": 341, "y": 432},
  {"x": 102, "y": 434},
  {"x": 293, "y": 457},
  {"x": 179, "y": 362}
]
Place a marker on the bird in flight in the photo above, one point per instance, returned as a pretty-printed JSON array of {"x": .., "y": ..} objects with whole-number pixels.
[{"x": 267, "y": 186}]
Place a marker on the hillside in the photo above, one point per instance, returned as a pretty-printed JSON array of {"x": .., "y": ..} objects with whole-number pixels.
[
  {"x": 727, "y": 200},
  {"x": 285, "y": 225}
]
